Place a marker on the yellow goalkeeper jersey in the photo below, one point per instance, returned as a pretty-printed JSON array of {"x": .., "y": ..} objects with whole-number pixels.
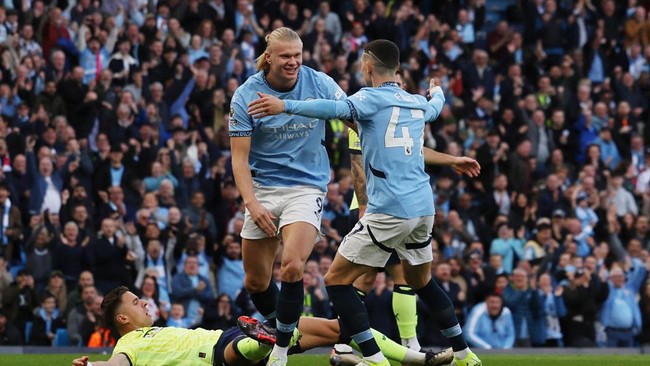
[
  {"x": 354, "y": 145},
  {"x": 168, "y": 346}
]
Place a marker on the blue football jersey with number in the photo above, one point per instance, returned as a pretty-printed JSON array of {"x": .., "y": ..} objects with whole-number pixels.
[
  {"x": 286, "y": 150},
  {"x": 391, "y": 128}
]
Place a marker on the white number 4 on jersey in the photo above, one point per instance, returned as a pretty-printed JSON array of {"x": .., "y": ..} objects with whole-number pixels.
[{"x": 405, "y": 141}]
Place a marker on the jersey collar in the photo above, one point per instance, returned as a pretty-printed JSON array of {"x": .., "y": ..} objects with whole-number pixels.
[
  {"x": 389, "y": 84},
  {"x": 280, "y": 91}
]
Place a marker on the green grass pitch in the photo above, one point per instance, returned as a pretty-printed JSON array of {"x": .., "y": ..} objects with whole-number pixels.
[{"x": 313, "y": 360}]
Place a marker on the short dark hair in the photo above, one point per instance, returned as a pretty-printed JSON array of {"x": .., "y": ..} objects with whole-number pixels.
[
  {"x": 111, "y": 302},
  {"x": 385, "y": 53}
]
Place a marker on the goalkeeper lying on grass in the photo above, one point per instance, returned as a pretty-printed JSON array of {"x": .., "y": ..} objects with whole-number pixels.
[{"x": 140, "y": 343}]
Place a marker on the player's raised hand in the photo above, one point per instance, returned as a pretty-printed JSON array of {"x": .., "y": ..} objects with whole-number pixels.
[
  {"x": 263, "y": 218},
  {"x": 433, "y": 88},
  {"x": 466, "y": 165},
  {"x": 267, "y": 105}
]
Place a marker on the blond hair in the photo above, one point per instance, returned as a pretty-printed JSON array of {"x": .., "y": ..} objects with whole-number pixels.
[{"x": 279, "y": 35}]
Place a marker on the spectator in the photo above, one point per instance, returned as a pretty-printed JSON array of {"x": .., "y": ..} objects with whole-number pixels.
[
  {"x": 225, "y": 317},
  {"x": 46, "y": 322},
  {"x": 527, "y": 307},
  {"x": 191, "y": 289},
  {"x": 11, "y": 226},
  {"x": 621, "y": 198},
  {"x": 20, "y": 299},
  {"x": 199, "y": 218},
  {"x": 107, "y": 257},
  {"x": 178, "y": 319},
  {"x": 332, "y": 21},
  {"x": 480, "y": 277},
  {"x": 40, "y": 255},
  {"x": 69, "y": 254},
  {"x": 86, "y": 279},
  {"x": 541, "y": 245},
  {"x": 46, "y": 181},
  {"x": 158, "y": 309},
  {"x": 158, "y": 261},
  {"x": 82, "y": 319},
  {"x": 490, "y": 325},
  {"x": 554, "y": 309},
  {"x": 316, "y": 303},
  {"x": 509, "y": 247},
  {"x": 582, "y": 297},
  {"x": 5, "y": 277},
  {"x": 620, "y": 315},
  {"x": 519, "y": 172},
  {"x": 9, "y": 334},
  {"x": 230, "y": 272},
  {"x": 56, "y": 287},
  {"x": 99, "y": 335}
]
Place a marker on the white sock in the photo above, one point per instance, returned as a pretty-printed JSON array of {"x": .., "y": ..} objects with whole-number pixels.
[
  {"x": 280, "y": 351},
  {"x": 341, "y": 348},
  {"x": 414, "y": 357},
  {"x": 462, "y": 353},
  {"x": 376, "y": 358},
  {"x": 411, "y": 343}
]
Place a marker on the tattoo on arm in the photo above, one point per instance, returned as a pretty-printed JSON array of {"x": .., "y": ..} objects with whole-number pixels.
[{"x": 359, "y": 179}]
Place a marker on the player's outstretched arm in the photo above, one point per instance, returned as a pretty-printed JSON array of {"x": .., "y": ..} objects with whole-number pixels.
[
  {"x": 268, "y": 105},
  {"x": 115, "y": 360},
  {"x": 461, "y": 164}
]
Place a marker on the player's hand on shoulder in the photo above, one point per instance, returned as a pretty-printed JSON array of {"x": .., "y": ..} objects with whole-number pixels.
[{"x": 266, "y": 105}]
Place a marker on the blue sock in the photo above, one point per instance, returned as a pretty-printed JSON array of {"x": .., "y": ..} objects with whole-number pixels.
[
  {"x": 352, "y": 312},
  {"x": 289, "y": 309},
  {"x": 443, "y": 312},
  {"x": 266, "y": 301}
]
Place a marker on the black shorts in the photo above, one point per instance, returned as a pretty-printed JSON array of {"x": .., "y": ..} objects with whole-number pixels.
[
  {"x": 219, "y": 349},
  {"x": 394, "y": 258}
]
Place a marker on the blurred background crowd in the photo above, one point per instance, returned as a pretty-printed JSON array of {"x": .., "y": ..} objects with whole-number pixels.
[{"x": 115, "y": 168}]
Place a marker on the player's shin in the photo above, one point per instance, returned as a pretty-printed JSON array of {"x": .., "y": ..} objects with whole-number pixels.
[
  {"x": 405, "y": 310},
  {"x": 443, "y": 310},
  {"x": 288, "y": 310},
  {"x": 352, "y": 312},
  {"x": 266, "y": 301}
]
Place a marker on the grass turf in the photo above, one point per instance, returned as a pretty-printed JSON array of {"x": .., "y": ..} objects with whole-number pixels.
[{"x": 310, "y": 360}]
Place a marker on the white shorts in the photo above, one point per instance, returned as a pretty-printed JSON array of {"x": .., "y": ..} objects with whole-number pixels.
[
  {"x": 376, "y": 235},
  {"x": 289, "y": 205}
]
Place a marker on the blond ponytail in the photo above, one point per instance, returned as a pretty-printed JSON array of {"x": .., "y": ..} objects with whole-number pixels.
[{"x": 279, "y": 35}]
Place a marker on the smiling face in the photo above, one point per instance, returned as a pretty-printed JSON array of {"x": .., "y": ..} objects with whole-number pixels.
[{"x": 284, "y": 58}]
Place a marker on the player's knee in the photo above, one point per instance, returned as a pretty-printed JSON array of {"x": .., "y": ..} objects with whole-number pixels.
[
  {"x": 255, "y": 285},
  {"x": 418, "y": 281},
  {"x": 292, "y": 270},
  {"x": 331, "y": 279}
]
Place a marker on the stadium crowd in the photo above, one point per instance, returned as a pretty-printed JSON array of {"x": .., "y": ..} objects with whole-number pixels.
[{"x": 116, "y": 167}]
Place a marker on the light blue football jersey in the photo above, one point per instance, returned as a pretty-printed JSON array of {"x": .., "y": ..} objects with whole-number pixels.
[
  {"x": 286, "y": 150},
  {"x": 391, "y": 128}
]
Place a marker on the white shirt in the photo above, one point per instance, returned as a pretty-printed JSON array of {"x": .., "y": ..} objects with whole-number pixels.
[{"x": 52, "y": 199}]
